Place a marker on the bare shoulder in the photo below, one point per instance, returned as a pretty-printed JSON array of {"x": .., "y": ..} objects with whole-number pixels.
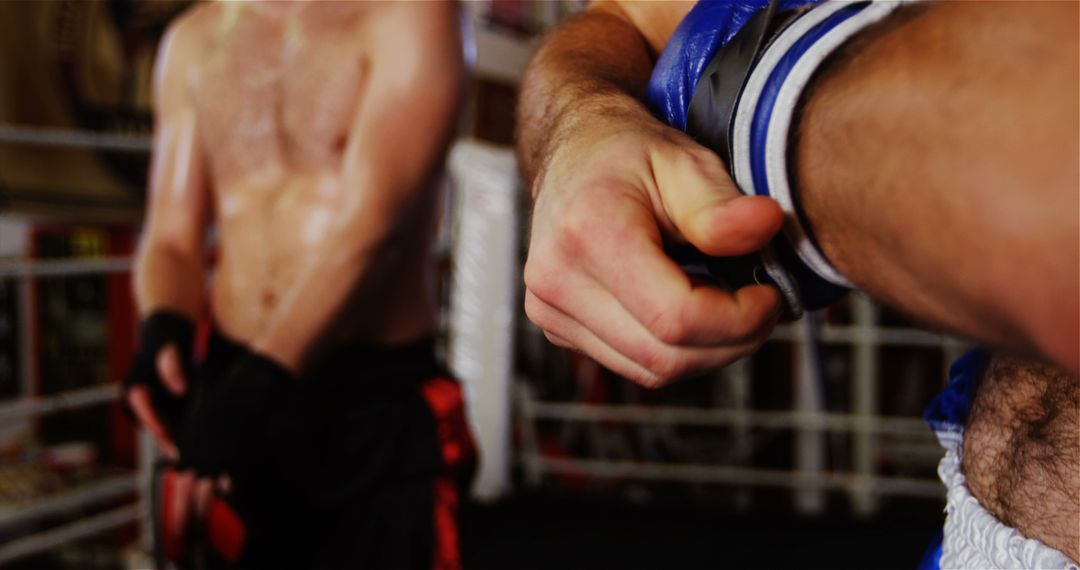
[
  {"x": 421, "y": 40},
  {"x": 423, "y": 22},
  {"x": 434, "y": 10},
  {"x": 181, "y": 49},
  {"x": 185, "y": 37},
  {"x": 194, "y": 25}
]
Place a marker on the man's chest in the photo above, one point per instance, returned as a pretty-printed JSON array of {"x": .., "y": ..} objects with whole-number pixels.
[{"x": 270, "y": 98}]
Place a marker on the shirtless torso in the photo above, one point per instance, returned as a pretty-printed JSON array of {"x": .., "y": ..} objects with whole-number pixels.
[
  {"x": 275, "y": 98},
  {"x": 311, "y": 137},
  {"x": 292, "y": 127}
]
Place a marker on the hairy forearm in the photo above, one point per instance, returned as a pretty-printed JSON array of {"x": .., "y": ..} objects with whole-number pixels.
[
  {"x": 168, "y": 279},
  {"x": 594, "y": 65},
  {"x": 937, "y": 164}
]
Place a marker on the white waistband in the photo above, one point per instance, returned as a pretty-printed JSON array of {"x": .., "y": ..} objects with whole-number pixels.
[{"x": 974, "y": 538}]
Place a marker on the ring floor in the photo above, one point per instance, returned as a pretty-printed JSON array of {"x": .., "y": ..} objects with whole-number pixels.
[{"x": 565, "y": 533}]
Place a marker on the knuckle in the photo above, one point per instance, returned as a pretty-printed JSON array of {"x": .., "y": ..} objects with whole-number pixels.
[
  {"x": 532, "y": 308},
  {"x": 556, "y": 340},
  {"x": 543, "y": 283},
  {"x": 572, "y": 233},
  {"x": 700, "y": 159},
  {"x": 646, "y": 379},
  {"x": 672, "y": 369},
  {"x": 533, "y": 274},
  {"x": 670, "y": 327},
  {"x": 538, "y": 314},
  {"x": 662, "y": 364},
  {"x": 650, "y": 358}
]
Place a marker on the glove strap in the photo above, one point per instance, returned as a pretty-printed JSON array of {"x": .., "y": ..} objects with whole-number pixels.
[
  {"x": 767, "y": 104},
  {"x": 712, "y": 107}
]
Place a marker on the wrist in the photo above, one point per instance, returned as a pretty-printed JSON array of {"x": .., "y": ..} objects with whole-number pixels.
[
  {"x": 160, "y": 329},
  {"x": 585, "y": 122},
  {"x": 746, "y": 86},
  {"x": 173, "y": 323},
  {"x": 592, "y": 127}
]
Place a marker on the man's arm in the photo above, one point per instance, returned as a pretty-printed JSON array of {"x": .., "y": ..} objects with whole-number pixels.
[
  {"x": 403, "y": 125},
  {"x": 168, "y": 272},
  {"x": 169, "y": 267},
  {"x": 612, "y": 186},
  {"x": 602, "y": 58},
  {"x": 938, "y": 166}
]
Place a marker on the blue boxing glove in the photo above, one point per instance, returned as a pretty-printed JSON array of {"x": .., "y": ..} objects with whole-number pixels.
[{"x": 731, "y": 76}]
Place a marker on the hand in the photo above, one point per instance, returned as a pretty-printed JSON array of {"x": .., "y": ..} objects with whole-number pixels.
[
  {"x": 156, "y": 386},
  {"x": 170, "y": 375},
  {"x": 187, "y": 514},
  {"x": 188, "y": 501},
  {"x": 597, "y": 279}
]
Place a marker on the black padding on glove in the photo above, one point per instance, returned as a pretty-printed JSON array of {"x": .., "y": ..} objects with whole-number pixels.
[
  {"x": 162, "y": 328},
  {"x": 226, "y": 431},
  {"x": 712, "y": 108}
]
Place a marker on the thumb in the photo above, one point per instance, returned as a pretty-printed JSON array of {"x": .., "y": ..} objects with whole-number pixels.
[
  {"x": 171, "y": 370},
  {"x": 708, "y": 210}
]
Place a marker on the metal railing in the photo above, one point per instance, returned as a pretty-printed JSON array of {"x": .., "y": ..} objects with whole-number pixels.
[
  {"x": 809, "y": 422},
  {"x": 103, "y": 491},
  {"x": 26, "y": 135}
]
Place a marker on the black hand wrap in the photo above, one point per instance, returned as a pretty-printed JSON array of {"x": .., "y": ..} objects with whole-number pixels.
[
  {"x": 160, "y": 329},
  {"x": 225, "y": 431}
]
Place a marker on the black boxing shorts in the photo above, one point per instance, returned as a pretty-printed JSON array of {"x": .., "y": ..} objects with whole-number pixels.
[{"x": 364, "y": 469}]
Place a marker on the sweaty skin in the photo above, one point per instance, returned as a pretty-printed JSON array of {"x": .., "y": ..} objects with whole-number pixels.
[
  {"x": 937, "y": 162},
  {"x": 310, "y": 138},
  {"x": 284, "y": 125}
]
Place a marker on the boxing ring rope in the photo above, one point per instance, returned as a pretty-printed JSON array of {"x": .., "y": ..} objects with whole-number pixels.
[
  {"x": 900, "y": 426},
  {"x": 27, "y": 269},
  {"x": 73, "y": 138},
  {"x": 109, "y": 488},
  {"x": 82, "y": 528},
  {"x": 748, "y": 476},
  {"x": 101, "y": 491},
  {"x": 864, "y": 396},
  {"x": 808, "y": 477},
  {"x": 69, "y": 400}
]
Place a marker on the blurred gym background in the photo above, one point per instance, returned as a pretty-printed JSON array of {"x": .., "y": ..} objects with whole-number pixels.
[{"x": 812, "y": 453}]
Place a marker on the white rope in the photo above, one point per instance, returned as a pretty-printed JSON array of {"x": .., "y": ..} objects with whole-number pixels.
[
  {"x": 43, "y": 541},
  {"x": 719, "y": 417},
  {"x": 64, "y": 267},
  {"x": 105, "y": 489},
  {"x": 69, "y": 400},
  {"x": 71, "y": 138},
  {"x": 696, "y": 473}
]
